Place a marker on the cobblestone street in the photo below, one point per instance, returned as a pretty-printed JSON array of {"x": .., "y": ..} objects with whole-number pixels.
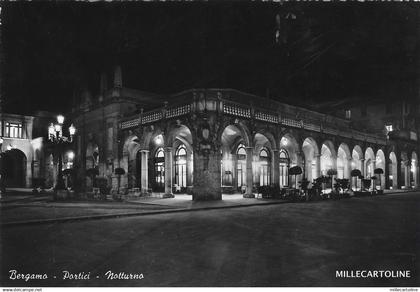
[{"x": 272, "y": 245}]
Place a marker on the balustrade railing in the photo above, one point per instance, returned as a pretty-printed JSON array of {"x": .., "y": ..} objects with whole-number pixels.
[{"x": 330, "y": 126}]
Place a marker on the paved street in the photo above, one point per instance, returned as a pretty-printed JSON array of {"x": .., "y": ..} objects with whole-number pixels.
[{"x": 300, "y": 244}]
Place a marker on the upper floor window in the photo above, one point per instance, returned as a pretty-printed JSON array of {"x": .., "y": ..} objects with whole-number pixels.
[
  {"x": 13, "y": 130},
  {"x": 348, "y": 114}
]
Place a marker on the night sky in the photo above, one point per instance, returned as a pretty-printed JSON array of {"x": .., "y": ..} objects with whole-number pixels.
[{"x": 325, "y": 51}]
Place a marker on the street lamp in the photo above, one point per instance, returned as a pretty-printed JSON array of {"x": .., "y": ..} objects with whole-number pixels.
[{"x": 56, "y": 137}]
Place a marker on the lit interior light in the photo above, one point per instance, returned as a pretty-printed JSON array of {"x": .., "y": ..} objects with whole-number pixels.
[{"x": 158, "y": 140}]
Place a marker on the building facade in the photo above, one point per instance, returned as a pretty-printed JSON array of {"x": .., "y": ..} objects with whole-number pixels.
[
  {"x": 209, "y": 141},
  {"x": 27, "y": 158}
]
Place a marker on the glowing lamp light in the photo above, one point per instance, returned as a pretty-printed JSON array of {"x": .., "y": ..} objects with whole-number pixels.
[
  {"x": 158, "y": 140},
  {"x": 60, "y": 119},
  {"x": 70, "y": 155},
  {"x": 72, "y": 130},
  {"x": 57, "y": 127}
]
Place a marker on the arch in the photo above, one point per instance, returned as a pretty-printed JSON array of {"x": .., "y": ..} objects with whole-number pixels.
[
  {"x": 380, "y": 163},
  {"x": 233, "y": 138},
  {"x": 328, "y": 159},
  {"x": 343, "y": 161},
  {"x": 312, "y": 165},
  {"x": 130, "y": 143},
  {"x": 240, "y": 166},
  {"x": 149, "y": 136},
  {"x": 14, "y": 168},
  {"x": 356, "y": 163},
  {"x": 158, "y": 178},
  {"x": 180, "y": 132},
  {"x": 393, "y": 172},
  {"x": 269, "y": 136},
  {"x": 265, "y": 167},
  {"x": 284, "y": 164},
  {"x": 181, "y": 167},
  {"x": 263, "y": 162},
  {"x": 289, "y": 143},
  {"x": 370, "y": 161}
]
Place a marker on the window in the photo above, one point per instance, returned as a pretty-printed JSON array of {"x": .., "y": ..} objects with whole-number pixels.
[
  {"x": 348, "y": 114},
  {"x": 13, "y": 130},
  {"x": 389, "y": 128},
  {"x": 265, "y": 167},
  {"x": 159, "y": 169},
  {"x": 181, "y": 166},
  {"x": 241, "y": 166},
  {"x": 284, "y": 168}
]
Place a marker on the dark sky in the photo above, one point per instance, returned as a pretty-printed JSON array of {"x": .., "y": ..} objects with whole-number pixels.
[{"x": 328, "y": 51}]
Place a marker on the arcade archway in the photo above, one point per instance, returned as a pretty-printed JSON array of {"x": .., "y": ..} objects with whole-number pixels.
[{"x": 14, "y": 168}]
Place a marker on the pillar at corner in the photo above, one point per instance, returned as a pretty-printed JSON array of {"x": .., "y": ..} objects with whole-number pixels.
[
  {"x": 168, "y": 173},
  {"x": 144, "y": 171},
  {"x": 207, "y": 177},
  {"x": 249, "y": 174}
]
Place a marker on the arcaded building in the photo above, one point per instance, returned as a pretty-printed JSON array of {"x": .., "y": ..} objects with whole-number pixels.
[{"x": 206, "y": 142}]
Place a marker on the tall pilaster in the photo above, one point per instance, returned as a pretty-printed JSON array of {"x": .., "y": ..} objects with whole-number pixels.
[
  {"x": 249, "y": 174},
  {"x": 168, "y": 173},
  {"x": 276, "y": 166},
  {"x": 362, "y": 166},
  {"x": 318, "y": 166},
  {"x": 399, "y": 179},
  {"x": 144, "y": 171}
]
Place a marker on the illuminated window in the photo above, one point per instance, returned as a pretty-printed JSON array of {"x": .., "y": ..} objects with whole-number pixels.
[
  {"x": 159, "y": 169},
  {"x": 348, "y": 114},
  {"x": 284, "y": 168},
  {"x": 265, "y": 169},
  {"x": 241, "y": 165},
  {"x": 181, "y": 166},
  {"x": 389, "y": 128},
  {"x": 13, "y": 130}
]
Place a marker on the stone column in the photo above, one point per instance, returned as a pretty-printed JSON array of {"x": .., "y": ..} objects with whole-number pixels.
[
  {"x": 207, "y": 174},
  {"x": 373, "y": 174},
  {"x": 362, "y": 166},
  {"x": 387, "y": 173},
  {"x": 276, "y": 167},
  {"x": 249, "y": 174},
  {"x": 168, "y": 173},
  {"x": 399, "y": 179},
  {"x": 349, "y": 160},
  {"x": 318, "y": 166},
  {"x": 144, "y": 179},
  {"x": 407, "y": 175}
]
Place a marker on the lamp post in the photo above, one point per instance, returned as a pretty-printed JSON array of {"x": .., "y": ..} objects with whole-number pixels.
[{"x": 56, "y": 137}]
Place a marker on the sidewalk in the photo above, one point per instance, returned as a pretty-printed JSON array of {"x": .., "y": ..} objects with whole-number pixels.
[{"x": 49, "y": 212}]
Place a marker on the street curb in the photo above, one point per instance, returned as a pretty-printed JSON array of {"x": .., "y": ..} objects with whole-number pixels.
[
  {"x": 166, "y": 211},
  {"x": 120, "y": 215}
]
